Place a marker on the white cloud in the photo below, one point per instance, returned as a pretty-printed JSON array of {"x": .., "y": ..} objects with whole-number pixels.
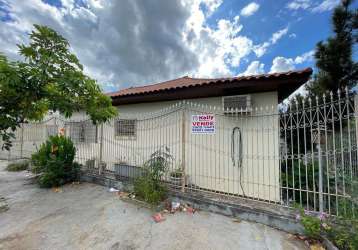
[
  {"x": 123, "y": 43},
  {"x": 282, "y": 64},
  {"x": 250, "y": 9},
  {"x": 292, "y": 35},
  {"x": 212, "y": 5},
  {"x": 261, "y": 49},
  {"x": 278, "y": 35},
  {"x": 254, "y": 68},
  {"x": 98, "y": 4},
  {"x": 118, "y": 42},
  {"x": 306, "y": 57},
  {"x": 326, "y": 5},
  {"x": 299, "y": 4},
  {"x": 220, "y": 48}
]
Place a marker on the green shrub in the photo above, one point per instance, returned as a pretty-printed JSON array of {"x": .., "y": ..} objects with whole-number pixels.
[
  {"x": 55, "y": 161},
  {"x": 149, "y": 190},
  {"x": 299, "y": 176},
  {"x": 300, "y": 185},
  {"x": 312, "y": 226},
  {"x": 342, "y": 232},
  {"x": 158, "y": 163},
  {"x": 18, "y": 166},
  {"x": 149, "y": 187}
]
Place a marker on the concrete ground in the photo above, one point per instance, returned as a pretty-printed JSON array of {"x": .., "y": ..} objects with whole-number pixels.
[{"x": 87, "y": 216}]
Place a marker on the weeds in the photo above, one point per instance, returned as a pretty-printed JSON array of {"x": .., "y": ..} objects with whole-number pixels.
[
  {"x": 18, "y": 166},
  {"x": 149, "y": 186}
]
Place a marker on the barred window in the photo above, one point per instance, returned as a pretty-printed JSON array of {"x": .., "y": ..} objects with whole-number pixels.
[
  {"x": 125, "y": 127},
  {"x": 82, "y": 131}
]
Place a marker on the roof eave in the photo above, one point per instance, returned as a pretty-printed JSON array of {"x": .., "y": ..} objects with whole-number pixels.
[{"x": 284, "y": 84}]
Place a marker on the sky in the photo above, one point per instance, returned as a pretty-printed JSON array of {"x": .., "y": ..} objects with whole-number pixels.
[{"x": 136, "y": 42}]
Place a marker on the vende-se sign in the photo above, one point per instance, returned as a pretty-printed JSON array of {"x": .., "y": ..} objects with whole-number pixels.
[{"x": 203, "y": 124}]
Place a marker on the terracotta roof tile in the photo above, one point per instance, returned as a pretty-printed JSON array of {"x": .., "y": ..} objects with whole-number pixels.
[{"x": 186, "y": 82}]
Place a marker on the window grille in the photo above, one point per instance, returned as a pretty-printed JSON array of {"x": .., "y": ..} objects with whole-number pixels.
[
  {"x": 240, "y": 103},
  {"x": 84, "y": 131},
  {"x": 125, "y": 128}
]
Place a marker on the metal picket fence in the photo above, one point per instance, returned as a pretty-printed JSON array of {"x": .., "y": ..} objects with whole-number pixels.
[{"x": 302, "y": 154}]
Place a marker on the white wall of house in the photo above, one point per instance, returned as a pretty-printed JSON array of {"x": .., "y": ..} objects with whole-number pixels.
[{"x": 207, "y": 159}]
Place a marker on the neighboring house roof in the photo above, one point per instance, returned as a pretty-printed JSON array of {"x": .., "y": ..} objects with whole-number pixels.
[{"x": 186, "y": 87}]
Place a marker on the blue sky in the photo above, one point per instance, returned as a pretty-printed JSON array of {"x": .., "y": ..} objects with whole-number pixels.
[
  {"x": 306, "y": 28},
  {"x": 131, "y": 43}
]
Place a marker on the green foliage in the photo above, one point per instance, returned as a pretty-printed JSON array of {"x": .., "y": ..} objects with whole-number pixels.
[
  {"x": 18, "y": 166},
  {"x": 149, "y": 187},
  {"x": 49, "y": 79},
  {"x": 300, "y": 186},
  {"x": 149, "y": 190},
  {"x": 336, "y": 68},
  {"x": 300, "y": 176},
  {"x": 341, "y": 231},
  {"x": 159, "y": 163},
  {"x": 54, "y": 160},
  {"x": 312, "y": 226},
  {"x": 344, "y": 234}
]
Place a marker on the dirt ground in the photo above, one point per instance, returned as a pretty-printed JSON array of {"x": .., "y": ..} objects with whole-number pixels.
[{"x": 88, "y": 216}]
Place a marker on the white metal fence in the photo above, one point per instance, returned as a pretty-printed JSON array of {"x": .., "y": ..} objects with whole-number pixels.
[{"x": 304, "y": 155}]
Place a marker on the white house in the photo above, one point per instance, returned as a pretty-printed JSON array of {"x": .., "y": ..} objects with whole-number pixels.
[{"x": 223, "y": 133}]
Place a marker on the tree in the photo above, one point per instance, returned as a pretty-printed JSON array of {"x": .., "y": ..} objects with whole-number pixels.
[
  {"x": 50, "y": 78},
  {"x": 336, "y": 68}
]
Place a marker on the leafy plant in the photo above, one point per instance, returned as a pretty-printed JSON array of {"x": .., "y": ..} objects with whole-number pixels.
[
  {"x": 300, "y": 186},
  {"x": 149, "y": 190},
  {"x": 341, "y": 231},
  {"x": 299, "y": 176},
  {"x": 158, "y": 163},
  {"x": 55, "y": 161},
  {"x": 18, "y": 166},
  {"x": 312, "y": 225},
  {"x": 149, "y": 186},
  {"x": 344, "y": 234},
  {"x": 50, "y": 78}
]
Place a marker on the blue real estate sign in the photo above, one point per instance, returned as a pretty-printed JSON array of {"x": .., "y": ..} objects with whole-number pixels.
[{"x": 203, "y": 124}]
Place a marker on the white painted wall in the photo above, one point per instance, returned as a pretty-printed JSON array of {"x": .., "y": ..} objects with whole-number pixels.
[
  {"x": 208, "y": 162},
  {"x": 207, "y": 157}
]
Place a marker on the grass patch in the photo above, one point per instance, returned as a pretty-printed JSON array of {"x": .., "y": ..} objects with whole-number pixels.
[{"x": 18, "y": 166}]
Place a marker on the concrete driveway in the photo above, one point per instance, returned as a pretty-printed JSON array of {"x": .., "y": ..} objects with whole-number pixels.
[{"x": 87, "y": 216}]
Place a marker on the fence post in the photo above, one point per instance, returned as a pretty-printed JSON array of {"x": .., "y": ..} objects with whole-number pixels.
[
  {"x": 320, "y": 167},
  {"x": 100, "y": 152},
  {"x": 320, "y": 177},
  {"x": 22, "y": 141},
  {"x": 183, "y": 149}
]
